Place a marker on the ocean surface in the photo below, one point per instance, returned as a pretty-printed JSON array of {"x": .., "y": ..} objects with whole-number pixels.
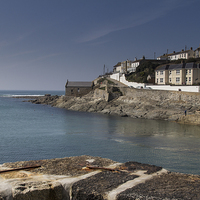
[{"x": 31, "y": 132}]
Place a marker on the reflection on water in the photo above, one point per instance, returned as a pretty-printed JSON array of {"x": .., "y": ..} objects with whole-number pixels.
[
  {"x": 168, "y": 144},
  {"x": 30, "y": 132}
]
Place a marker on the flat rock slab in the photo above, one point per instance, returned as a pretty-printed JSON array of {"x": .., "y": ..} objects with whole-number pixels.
[
  {"x": 168, "y": 186},
  {"x": 88, "y": 178},
  {"x": 69, "y": 166}
]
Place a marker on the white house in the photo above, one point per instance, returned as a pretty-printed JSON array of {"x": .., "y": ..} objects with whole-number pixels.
[
  {"x": 197, "y": 52},
  {"x": 178, "y": 55}
]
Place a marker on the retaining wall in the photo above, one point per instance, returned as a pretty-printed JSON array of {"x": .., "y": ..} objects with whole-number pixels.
[{"x": 123, "y": 80}]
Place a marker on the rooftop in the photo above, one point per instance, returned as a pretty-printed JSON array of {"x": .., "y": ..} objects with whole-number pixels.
[{"x": 78, "y": 84}]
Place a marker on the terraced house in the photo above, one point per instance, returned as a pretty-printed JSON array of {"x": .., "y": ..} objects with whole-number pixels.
[
  {"x": 178, "y": 74},
  {"x": 179, "y": 55}
]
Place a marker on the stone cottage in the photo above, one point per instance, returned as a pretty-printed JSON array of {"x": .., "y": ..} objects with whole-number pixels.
[{"x": 78, "y": 89}]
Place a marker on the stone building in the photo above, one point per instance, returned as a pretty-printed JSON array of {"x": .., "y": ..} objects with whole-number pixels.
[{"x": 78, "y": 89}]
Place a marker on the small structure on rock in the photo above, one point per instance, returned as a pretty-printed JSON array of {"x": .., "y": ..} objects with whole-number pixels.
[{"x": 78, "y": 89}]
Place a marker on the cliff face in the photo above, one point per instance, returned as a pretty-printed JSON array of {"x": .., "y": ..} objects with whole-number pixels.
[{"x": 136, "y": 103}]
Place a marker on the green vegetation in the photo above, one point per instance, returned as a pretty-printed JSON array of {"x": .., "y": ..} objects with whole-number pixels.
[
  {"x": 103, "y": 79},
  {"x": 189, "y": 60},
  {"x": 116, "y": 90},
  {"x": 178, "y": 61},
  {"x": 102, "y": 88},
  {"x": 141, "y": 73}
]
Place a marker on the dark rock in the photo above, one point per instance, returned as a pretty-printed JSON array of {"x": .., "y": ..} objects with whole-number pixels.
[
  {"x": 167, "y": 186},
  {"x": 69, "y": 178},
  {"x": 148, "y": 104},
  {"x": 107, "y": 180},
  {"x": 132, "y": 166}
]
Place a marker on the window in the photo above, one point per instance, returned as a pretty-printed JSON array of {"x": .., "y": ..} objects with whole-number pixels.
[
  {"x": 161, "y": 80},
  {"x": 177, "y": 79},
  {"x": 157, "y": 80},
  {"x": 161, "y": 72},
  {"x": 78, "y": 90},
  {"x": 157, "y": 73},
  {"x": 189, "y": 79},
  {"x": 186, "y": 79},
  {"x": 178, "y": 72},
  {"x": 170, "y": 80},
  {"x": 170, "y": 72},
  {"x": 189, "y": 71},
  {"x": 186, "y": 72}
]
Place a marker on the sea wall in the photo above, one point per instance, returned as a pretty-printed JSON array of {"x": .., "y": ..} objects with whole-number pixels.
[
  {"x": 123, "y": 80},
  {"x": 158, "y": 95}
]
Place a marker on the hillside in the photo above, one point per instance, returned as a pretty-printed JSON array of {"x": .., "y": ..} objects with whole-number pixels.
[{"x": 141, "y": 73}]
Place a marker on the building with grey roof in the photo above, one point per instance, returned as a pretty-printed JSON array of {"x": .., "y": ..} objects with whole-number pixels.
[
  {"x": 178, "y": 74},
  {"x": 78, "y": 88},
  {"x": 183, "y": 54}
]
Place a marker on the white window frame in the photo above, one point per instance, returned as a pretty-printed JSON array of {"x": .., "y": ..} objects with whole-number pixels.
[
  {"x": 161, "y": 80},
  {"x": 177, "y": 79},
  {"x": 178, "y": 72},
  {"x": 161, "y": 72}
]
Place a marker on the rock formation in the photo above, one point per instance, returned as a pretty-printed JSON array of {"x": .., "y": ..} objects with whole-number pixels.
[
  {"x": 135, "y": 103},
  {"x": 89, "y": 178}
]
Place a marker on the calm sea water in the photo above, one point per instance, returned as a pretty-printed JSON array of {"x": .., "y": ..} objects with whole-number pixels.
[{"x": 31, "y": 132}]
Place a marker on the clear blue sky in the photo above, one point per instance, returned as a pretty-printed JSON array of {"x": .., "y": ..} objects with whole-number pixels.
[{"x": 45, "y": 42}]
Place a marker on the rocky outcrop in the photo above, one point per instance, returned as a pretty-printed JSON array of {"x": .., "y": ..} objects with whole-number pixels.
[
  {"x": 135, "y": 103},
  {"x": 87, "y": 177}
]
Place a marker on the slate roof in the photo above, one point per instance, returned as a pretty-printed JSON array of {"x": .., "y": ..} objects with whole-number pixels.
[
  {"x": 79, "y": 84},
  {"x": 179, "y": 52},
  {"x": 176, "y": 66},
  {"x": 190, "y": 65},
  {"x": 163, "y": 67}
]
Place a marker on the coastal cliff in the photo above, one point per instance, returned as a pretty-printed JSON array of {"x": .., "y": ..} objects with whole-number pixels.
[{"x": 176, "y": 106}]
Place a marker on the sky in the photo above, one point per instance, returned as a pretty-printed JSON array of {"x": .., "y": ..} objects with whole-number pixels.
[{"x": 44, "y": 43}]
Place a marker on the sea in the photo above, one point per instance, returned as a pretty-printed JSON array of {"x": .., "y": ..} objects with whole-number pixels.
[{"x": 34, "y": 132}]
